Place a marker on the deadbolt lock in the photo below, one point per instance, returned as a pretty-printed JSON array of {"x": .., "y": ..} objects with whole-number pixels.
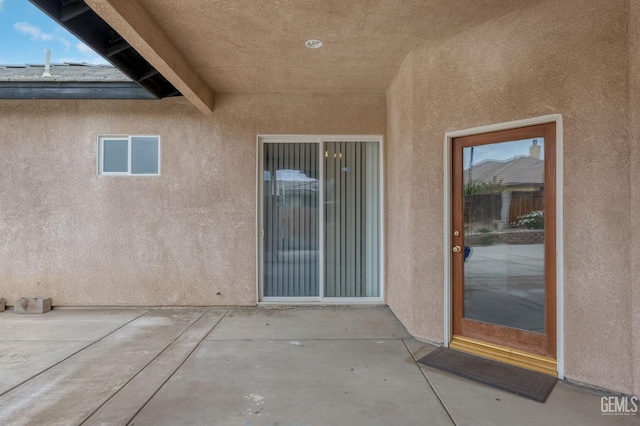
[{"x": 456, "y": 233}]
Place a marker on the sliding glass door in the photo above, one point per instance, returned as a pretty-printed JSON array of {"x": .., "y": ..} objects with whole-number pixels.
[
  {"x": 291, "y": 234},
  {"x": 320, "y": 219},
  {"x": 351, "y": 219}
]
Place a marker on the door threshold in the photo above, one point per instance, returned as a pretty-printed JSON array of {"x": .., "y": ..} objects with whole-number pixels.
[
  {"x": 325, "y": 302},
  {"x": 506, "y": 355}
]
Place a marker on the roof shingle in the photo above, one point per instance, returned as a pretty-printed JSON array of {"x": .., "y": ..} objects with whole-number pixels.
[{"x": 65, "y": 72}]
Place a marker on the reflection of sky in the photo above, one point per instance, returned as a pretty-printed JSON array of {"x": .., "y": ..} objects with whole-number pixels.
[{"x": 500, "y": 151}]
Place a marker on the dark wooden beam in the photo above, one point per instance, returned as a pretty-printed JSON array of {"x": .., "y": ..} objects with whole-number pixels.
[
  {"x": 171, "y": 93},
  {"x": 117, "y": 47},
  {"x": 152, "y": 72},
  {"x": 72, "y": 9}
]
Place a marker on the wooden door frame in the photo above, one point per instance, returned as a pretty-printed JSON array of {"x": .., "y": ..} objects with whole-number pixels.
[
  {"x": 535, "y": 343},
  {"x": 448, "y": 241}
]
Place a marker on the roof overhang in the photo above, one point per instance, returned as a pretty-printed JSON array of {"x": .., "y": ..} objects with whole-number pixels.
[
  {"x": 79, "y": 19},
  {"x": 72, "y": 90},
  {"x": 199, "y": 48},
  {"x": 140, "y": 30}
]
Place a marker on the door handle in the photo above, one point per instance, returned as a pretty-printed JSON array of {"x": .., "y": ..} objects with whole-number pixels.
[{"x": 457, "y": 249}]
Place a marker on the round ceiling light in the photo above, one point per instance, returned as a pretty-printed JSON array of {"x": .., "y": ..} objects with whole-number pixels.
[{"x": 313, "y": 44}]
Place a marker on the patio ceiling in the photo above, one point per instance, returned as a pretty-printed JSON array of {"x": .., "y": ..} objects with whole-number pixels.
[{"x": 250, "y": 46}]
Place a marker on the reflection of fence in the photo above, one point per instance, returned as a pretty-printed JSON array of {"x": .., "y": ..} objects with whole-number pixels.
[
  {"x": 481, "y": 210},
  {"x": 298, "y": 227},
  {"x": 525, "y": 202},
  {"x": 507, "y": 237},
  {"x": 484, "y": 210},
  {"x": 291, "y": 223}
]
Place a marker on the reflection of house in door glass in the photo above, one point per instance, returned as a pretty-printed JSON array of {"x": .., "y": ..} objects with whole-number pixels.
[
  {"x": 504, "y": 233},
  {"x": 503, "y": 186}
]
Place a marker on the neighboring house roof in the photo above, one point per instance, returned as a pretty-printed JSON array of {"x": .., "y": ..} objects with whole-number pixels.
[
  {"x": 67, "y": 71},
  {"x": 68, "y": 81},
  {"x": 520, "y": 170}
]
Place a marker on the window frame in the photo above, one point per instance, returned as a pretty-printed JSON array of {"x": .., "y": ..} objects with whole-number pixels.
[{"x": 129, "y": 139}]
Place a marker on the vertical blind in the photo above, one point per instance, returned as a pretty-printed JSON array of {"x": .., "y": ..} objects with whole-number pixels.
[
  {"x": 291, "y": 219},
  {"x": 351, "y": 228}
]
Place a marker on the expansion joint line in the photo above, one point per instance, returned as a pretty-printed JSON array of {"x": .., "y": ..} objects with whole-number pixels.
[
  {"x": 73, "y": 354},
  {"x": 150, "y": 362},
  {"x": 155, "y": 358},
  {"x": 444, "y": 406}
]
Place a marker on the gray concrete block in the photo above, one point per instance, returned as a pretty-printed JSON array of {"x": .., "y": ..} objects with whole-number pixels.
[
  {"x": 32, "y": 305},
  {"x": 2, "y": 301}
]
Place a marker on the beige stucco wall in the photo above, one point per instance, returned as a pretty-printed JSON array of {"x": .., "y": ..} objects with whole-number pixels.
[
  {"x": 398, "y": 195},
  {"x": 634, "y": 180},
  {"x": 565, "y": 57},
  {"x": 177, "y": 239}
]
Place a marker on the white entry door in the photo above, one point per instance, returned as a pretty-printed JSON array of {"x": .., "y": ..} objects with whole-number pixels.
[{"x": 320, "y": 232}]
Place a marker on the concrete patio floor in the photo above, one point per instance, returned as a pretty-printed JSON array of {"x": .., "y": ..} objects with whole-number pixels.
[{"x": 248, "y": 366}]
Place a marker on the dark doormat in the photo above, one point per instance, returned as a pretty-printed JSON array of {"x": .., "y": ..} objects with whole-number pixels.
[{"x": 530, "y": 384}]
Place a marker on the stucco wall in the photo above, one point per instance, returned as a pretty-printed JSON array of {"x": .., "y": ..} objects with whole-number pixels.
[
  {"x": 634, "y": 180},
  {"x": 398, "y": 197},
  {"x": 177, "y": 239},
  {"x": 558, "y": 57}
]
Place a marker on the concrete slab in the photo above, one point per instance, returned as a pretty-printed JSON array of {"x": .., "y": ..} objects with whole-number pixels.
[
  {"x": 419, "y": 349},
  {"x": 472, "y": 403},
  {"x": 350, "y": 382},
  {"x": 124, "y": 405},
  {"x": 164, "y": 324},
  {"x": 121, "y": 407},
  {"x": 72, "y": 390},
  {"x": 22, "y": 360},
  {"x": 166, "y": 367},
  {"x": 309, "y": 323},
  {"x": 204, "y": 325},
  {"x": 65, "y": 324}
]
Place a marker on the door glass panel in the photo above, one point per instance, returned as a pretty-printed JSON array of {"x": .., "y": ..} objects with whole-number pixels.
[
  {"x": 503, "y": 186},
  {"x": 352, "y": 219},
  {"x": 290, "y": 220}
]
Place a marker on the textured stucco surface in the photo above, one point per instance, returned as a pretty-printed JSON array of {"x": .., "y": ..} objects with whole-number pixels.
[
  {"x": 245, "y": 46},
  {"x": 398, "y": 200},
  {"x": 558, "y": 57},
  {"x": 634, "y": 180},
  {"x": 176, "y": 239}
]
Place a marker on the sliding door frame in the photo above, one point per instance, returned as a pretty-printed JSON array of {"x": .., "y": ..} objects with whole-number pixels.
[{"x": 321, "y": 299}]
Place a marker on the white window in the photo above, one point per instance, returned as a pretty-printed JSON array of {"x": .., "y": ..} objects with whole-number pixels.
[{"x": 129, "y": 155}]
